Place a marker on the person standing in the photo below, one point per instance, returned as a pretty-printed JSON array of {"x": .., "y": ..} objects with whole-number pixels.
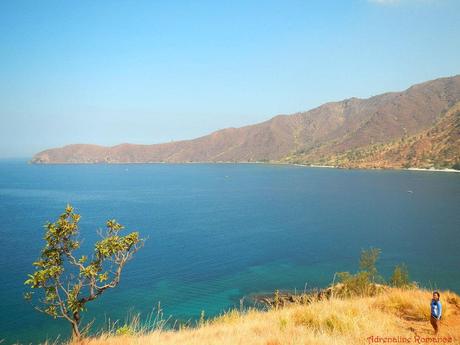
[{"x": 436, "y": 311}]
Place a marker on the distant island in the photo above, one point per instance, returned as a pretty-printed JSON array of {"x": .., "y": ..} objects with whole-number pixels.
[{"x": 415, "y": 128}]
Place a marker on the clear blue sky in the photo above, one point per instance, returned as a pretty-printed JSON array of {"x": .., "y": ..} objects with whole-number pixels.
[{"x": 107, "y": 72}]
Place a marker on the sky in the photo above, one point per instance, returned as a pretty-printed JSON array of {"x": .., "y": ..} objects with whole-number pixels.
[{"x": 110, "y": 72}]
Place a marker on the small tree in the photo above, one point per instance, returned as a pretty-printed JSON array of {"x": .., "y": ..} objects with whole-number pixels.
[
  {"x": 367, "y": 262},
  {"x": 361, "y": 283},
  {"x": 66, "y": 282},
  {"x": 400, "y": 277},
  {"x": 357, "y": 284}
]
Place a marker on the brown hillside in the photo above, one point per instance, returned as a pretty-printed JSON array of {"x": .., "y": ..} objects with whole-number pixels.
[
  {"x": 330, "y": 129},
  {"x": 437, "y": 146}
]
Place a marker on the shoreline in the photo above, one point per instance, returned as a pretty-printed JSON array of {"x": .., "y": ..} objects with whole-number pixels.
[
  {"x": 261, "y": 163},
  {"x": 434, "y": 169},
  {"x": 401, "y": 169}
]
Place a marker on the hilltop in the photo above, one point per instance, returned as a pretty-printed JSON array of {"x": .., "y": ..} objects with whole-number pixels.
[
  {"x": 391, "y": 130},
  {"x": 400, "y": 314}
]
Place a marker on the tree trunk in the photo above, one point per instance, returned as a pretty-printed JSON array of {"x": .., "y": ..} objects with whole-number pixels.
[{"x": 75, "y": 330}]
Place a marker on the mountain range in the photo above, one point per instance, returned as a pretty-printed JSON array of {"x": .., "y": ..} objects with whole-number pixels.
[{"x": 418, "y": 127}]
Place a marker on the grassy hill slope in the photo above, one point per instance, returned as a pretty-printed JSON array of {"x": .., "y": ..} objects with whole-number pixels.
[{"x": 395, "y": 312}]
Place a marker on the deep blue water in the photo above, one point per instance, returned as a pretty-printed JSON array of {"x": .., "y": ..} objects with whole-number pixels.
[{"x": 217, "y": 233}]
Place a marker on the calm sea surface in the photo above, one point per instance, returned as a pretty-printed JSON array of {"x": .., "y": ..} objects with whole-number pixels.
[{"x": 217, "y": 233}]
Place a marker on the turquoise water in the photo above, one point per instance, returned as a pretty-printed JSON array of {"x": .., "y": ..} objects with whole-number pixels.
[{"x": 217, "y": 233}]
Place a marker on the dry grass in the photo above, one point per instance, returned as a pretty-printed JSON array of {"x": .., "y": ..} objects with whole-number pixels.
[
  {"x": 412, "y": 305},
  {"x": 394, "y": 312}
]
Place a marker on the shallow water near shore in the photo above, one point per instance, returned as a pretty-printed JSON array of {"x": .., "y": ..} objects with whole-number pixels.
[{"x": 219, "y": 232}]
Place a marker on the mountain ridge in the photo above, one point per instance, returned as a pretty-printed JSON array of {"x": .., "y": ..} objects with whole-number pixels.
[{"x": 309, "y": 137}]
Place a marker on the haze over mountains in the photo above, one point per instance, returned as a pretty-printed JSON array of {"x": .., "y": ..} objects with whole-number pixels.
[{"x": 418, "y": 127}]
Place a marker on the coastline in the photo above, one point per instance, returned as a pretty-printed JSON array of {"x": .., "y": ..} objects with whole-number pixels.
[
  {"x": 450, "y": 170},
  {"x": 434, "y": 170},
  {"x": 356, "y": 168}
]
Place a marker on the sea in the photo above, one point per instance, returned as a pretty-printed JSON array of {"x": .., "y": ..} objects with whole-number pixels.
[{"x": 217, "y": 234}]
